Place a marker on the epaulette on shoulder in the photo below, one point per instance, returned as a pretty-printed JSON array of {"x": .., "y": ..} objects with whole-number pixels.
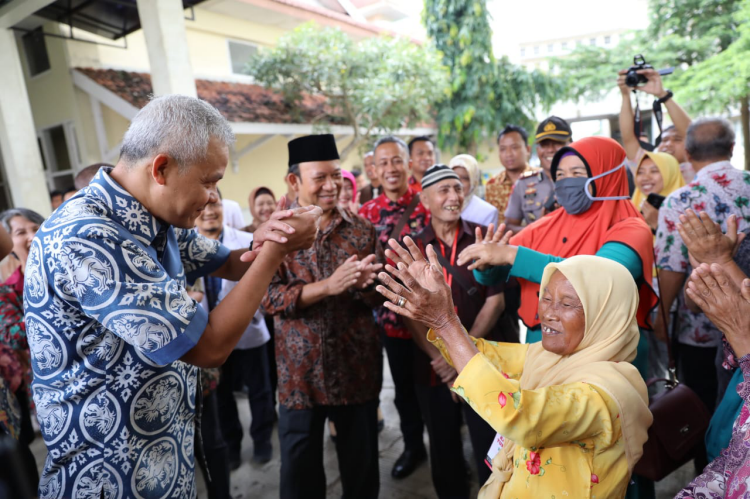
[{"x": 531, "y": 173}]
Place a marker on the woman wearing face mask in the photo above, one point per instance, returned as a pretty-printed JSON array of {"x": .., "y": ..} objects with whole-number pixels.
[
  {"x": 597, "y": 219},
  {"x": 657, "y": 173}
]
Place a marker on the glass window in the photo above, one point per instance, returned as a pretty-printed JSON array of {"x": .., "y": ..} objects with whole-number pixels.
[
  {"x": 523, "y": 52},
  {"x": 35, "y": 49},
  {"x": 607, "y": 40},
  {"x": 564, "y": 45},
  {"x": 592, "y": 42},
  {"x": 240, "y": 54},
  {"x": 550, "y": 48},
  {"x": 536, "y": 49}
]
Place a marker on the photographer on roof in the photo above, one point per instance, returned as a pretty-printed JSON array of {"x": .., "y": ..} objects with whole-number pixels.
[{"x": 672, "y": 138}]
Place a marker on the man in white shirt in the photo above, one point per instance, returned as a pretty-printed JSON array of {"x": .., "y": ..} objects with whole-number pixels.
[{"x": 247, "y": 368}]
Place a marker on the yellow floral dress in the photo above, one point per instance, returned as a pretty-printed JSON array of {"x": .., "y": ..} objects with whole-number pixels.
[{"x": 568, "y": 437}]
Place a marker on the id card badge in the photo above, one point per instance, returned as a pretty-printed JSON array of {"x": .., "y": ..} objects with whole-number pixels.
[{"x": 497, "y": 444}]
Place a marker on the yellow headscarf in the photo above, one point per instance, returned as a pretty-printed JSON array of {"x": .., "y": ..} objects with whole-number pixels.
[
  {"x": 670, "y": 174},
  {"x": 609, "y": 297}
]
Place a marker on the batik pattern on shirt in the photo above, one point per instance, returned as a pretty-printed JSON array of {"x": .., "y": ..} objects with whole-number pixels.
[
  {"x": 384, "y": 214},
  {"x": 498, "y": 190},
  {"x": 107, "y": 318},
  {"x": 729, "y": 474},
  {"x": 720, "y": 190},
  {"x": 328, "y": 353}
]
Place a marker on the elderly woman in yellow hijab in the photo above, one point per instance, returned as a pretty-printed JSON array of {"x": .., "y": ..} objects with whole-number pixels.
[
  {"x": 571, "y": 412},
  {"x": 657, "y": 173}
]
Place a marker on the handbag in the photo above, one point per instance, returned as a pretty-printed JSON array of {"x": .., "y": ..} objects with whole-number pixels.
[{"x": 680, "y": 422}]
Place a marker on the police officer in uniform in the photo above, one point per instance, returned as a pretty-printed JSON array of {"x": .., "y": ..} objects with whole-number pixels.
[{"x": 533, "y": 194}]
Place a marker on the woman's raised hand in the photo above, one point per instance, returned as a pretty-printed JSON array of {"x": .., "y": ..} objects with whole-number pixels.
[
  {"x": 425, "y": 296},
  {"x": 489, "y": 250},
  {"x": 726, "y": 305}
]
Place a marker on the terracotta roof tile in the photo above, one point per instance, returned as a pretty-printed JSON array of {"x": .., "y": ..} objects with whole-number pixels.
[{"x": 238, "y": 102}]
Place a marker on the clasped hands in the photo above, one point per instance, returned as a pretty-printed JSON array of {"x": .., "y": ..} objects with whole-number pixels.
[
  {"x": 287, "y": 230},
  {"x": 725, "y": 300}
]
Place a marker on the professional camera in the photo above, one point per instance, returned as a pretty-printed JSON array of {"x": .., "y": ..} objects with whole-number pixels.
[{"x": 633, "y": 79}]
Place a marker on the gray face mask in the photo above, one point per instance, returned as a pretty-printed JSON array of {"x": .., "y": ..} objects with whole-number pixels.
[{"x": 574, "y": 196}]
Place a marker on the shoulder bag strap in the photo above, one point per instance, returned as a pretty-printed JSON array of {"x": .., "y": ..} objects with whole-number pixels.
[
  {"x": 469, "y": 287},
  {"x": 404, "y": 217},
  {"x": 672, "y": 365}
]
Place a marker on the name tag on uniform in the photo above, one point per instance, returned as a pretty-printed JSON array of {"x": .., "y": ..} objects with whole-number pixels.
[{"x": 497, "y": 444}]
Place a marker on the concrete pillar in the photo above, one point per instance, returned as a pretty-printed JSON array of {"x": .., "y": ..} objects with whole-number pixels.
[
  {"x": 163, "y": 23},
  {"x": 18, "y": 141}
]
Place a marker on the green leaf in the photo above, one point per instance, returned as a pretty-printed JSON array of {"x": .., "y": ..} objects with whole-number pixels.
[{"x": 516, "y": 399}]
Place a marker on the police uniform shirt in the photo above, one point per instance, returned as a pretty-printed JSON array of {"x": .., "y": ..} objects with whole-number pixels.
[{"x": 531, "y": 192}]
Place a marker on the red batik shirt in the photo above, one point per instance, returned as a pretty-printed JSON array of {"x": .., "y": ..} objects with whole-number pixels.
[
  {"x": 384, "y": 215},
  {"x": 328, "y": 353}
]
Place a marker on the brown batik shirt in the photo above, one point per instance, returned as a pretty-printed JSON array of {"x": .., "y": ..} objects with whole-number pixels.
[{"x": 328, "y": 353}]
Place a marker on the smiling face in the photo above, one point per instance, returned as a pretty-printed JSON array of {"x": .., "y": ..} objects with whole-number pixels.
[
  {"x": 444, "y": 200},
  {"x": 22, "y": 232},
  {"x": 347, "y": 193},
  {"x": 514, "y": 152},
  {"x": 546, "y": 150},
  {"x": 392, "y": 162},
  {"x": 263, "y": 207},
  {"x": 648, "y": 177},
  {"x": 673, "y": 143},
  {"x": 318, "y": 184},
  {"x": 422, "y": 157},
  {"x": 370, "y": 169},
  {"x": 562, "y": 316},
  {"x": 188, "y": 192},
  {"x": 211, "y": 219}
]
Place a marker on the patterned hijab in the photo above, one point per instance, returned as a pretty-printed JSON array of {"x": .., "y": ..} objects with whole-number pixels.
[{"x": 602, "y": 359}]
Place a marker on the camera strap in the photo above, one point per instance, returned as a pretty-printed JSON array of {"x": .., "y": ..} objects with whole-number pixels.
[{"x": 638, "y": 123}]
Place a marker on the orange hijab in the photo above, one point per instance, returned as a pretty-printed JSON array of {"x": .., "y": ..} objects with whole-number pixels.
[{"x": 564, "y": 235}]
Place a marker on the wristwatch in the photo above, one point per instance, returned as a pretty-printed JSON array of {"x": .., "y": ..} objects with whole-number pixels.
[{"x": 664, "y": 99}]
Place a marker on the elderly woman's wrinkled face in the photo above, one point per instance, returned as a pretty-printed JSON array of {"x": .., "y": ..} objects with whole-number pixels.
[{"x": 562, "y": 317}]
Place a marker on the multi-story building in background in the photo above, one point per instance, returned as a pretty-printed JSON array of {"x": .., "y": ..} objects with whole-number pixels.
[{"x": 75, "y": 73}]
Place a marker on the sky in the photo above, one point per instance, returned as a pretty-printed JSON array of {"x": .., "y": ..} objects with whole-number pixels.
[{"x": 514, "y": 22}]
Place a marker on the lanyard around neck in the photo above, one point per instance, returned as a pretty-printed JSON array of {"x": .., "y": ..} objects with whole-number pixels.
[{"x": 454, "y": 247}]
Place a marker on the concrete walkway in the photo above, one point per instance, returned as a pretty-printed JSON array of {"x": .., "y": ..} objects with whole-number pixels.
[{"x": 252, "y": 481}]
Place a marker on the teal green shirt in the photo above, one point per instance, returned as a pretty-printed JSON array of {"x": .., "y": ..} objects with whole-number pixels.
[{"x": 530, "y": 265}]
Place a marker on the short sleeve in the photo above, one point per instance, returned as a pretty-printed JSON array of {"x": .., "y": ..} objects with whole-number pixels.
[
  {"x": 671, "y": 253},
  {"x": 515, "y": 203},
  {"x": 115, "y": 281},
  {"x": 200, "y": 255}
]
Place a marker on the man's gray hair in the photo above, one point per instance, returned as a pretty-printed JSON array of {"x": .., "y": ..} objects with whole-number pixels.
[
  {"x": 710, "y": 139},
  {"x": 390, "y": 139},
  {"x": 30, "y": 215},
  {"x": 176, "y": 125}
]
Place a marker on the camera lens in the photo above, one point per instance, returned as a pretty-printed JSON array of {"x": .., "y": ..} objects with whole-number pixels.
[{"x": 631, "y": 79}]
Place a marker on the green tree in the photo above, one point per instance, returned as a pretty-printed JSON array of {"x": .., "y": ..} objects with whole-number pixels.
[
  {"x": 376, "y": 85},
  {"x": 485, "y": 93},
  {"x": 707, "y": 41}
]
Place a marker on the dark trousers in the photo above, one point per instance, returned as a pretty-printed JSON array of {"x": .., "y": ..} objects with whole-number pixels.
[
  {"x": 246, "y": 370},
  {"x": 401, "y": 359},
  {"x": 301, "y": 441},
  {"x": 697, "y": 369},
  {"x": 215, "y": 449},
  {"x": 442, "y": 417}
]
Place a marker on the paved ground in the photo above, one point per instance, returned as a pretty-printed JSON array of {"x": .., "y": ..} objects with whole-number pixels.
[{"x": 262, "y": 482}]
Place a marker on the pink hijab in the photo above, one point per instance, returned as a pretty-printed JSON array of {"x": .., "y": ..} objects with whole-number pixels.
[{"x": 350, "y": 177}]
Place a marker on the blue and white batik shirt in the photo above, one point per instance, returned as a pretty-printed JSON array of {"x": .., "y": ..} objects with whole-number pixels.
[{"x": 107, "y": 319}]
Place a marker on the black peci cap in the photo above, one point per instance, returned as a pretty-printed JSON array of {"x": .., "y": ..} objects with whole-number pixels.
[
  {"x": 553, "y": 128},
  {"x": 312, "y": 148}
]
